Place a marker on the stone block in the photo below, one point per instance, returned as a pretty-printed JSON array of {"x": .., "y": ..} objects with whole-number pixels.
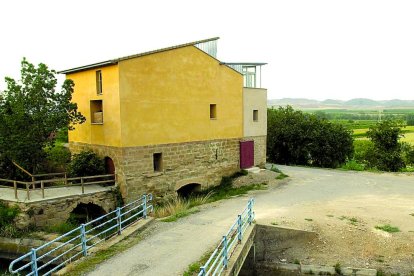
[{"x": 318, "y": 269}]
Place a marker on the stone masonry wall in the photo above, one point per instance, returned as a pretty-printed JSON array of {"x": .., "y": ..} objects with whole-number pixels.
[
  {"x": 50, "y": 212},
  {"x": 201, "y": 162}
]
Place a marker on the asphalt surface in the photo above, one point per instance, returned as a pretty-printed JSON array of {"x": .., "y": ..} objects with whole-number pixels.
[{"x": 173, "y": 246}]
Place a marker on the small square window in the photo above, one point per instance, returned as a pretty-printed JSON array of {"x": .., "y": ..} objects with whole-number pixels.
[
  {"x": 255, "y": 115},
  {"x": 99, "y": 82},
  {"x": 157, "y": 161},
  {"x": 96, "y": 112},
  {"x": 213, "y": 111}
]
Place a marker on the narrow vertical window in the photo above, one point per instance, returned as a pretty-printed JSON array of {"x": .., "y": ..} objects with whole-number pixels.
[
  {"x": 255, "y": 115},
  {"x": 99, "y": 82},
  {"x": 213, "y": 111},
  {"x": 157, "y": 161}
]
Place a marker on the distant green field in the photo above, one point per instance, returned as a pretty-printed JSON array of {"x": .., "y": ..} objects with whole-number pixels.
[{"x": 359, "y": 120}]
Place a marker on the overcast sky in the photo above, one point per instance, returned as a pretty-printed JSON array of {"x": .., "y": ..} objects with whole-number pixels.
[{"x": 314, "y": 49}]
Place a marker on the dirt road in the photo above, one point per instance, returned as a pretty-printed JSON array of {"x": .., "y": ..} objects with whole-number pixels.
[{"x": 343, "y": 207}]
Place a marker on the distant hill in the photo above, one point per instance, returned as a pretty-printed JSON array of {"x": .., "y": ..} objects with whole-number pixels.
[{"x": 357, "y": 103}]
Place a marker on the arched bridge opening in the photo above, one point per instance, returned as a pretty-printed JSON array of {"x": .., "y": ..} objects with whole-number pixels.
[
  {"x": 187, "y": 190},
  {"x": 84, "y": 213}
]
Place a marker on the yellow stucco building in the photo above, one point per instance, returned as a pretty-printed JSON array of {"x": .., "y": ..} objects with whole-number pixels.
[{"x": 172, "y": 119}]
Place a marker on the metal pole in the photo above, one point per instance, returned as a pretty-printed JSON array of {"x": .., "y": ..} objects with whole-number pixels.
[
  {"x": 144, "y": 198},
  {"x": 33, "y": 260},
  {"x": 203, "y": 270},
  {"x": 225, "y": 253},
  {"x": 83, "y": 188},
  {"x": 83, "y": 240},
  {"x": 239, "y": 228},
  {"x": 250, "y": 211},
  {"x": 118, "y": 220}
]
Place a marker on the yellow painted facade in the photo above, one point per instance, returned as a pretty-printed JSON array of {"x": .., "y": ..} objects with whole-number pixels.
[
  {"x": 108, "y": 133},
  {"x": 160, "y": 98}
]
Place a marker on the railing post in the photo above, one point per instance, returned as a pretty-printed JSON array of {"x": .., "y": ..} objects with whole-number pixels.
[
  {"x": 83, "y": 188},
  {"x": 83, "y": 240},
  {"x": 144, "y": 198},
  {"x": 225, "y": 253},
  {"x": 27, "y": 190},
  {"x": 42, "y": 186},
  {"x": 250, "y": 206},
  {"x": 33, "y": 260},
  {"x": 15, "y": 189},
  {"x": 118, "y": 220},
  {"x": 66, "y": 179},
  {"x": 33, "y": 181},
  {"x": 202, "y": 270},
  {"x": 239, "y": 228}
]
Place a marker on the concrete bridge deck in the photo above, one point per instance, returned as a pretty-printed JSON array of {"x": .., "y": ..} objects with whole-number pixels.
[{"x": 7, "y": 194}]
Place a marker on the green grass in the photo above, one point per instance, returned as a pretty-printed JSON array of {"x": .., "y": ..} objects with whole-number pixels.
[
  {"x": 224, "y": 192},
  {"x": 388, "y": 228},
  {"x": 282, "y": 176},
  {"x": 194, "y": 268},
  {"x": 274, "y": 223},
  {"x": 353, "y": 165},
  {"x": 412, "y": 214},
  {"x": 90, "y": 262},
  {"x": 330, "y": 216},
  {"x": 308, "y": 219},
  {"x": 351, "y": 220},
  {"x": 181, "y": 214},
  {"x": 338, "y": 268}
]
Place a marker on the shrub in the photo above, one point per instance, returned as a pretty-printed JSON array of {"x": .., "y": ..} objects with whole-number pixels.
[
  {"x": 361, "y": 149},
  {"x": 7, "y": 214},
  {"x": 386, "y": 154},
  {"x": 86, "y": 163},
  {"x": 353, "y": 165}
]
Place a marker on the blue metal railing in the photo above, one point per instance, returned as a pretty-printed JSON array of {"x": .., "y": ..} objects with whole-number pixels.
[
  {"x": 53, "y": 255},
  {"x": 220, "y": 257}
]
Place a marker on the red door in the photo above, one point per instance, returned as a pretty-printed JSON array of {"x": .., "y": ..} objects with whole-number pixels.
[{"x": 246, "y": 154}]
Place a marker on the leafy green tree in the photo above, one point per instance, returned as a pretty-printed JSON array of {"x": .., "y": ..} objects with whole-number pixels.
[
  {"x": 386, "y": 154},
  {"x": 86, "y": 163},
  {"x": 410, "y": 119},
  {"x": 31, "y": 111},
  {"x": 298, "y": 138}
]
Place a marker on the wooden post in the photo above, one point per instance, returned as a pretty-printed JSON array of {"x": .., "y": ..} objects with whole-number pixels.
[
  {"x": 66, "y": 179},
  {"x": 42, "y": 186},
  {"x": 83, "y": 188},
  {"x": 15, "y": 189},
  {"x": 34, "y": 183},
  {"x": 28, "y": 191}
]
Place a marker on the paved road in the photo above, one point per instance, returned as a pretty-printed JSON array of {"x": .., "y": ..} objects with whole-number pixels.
[{"x": 175, "y": 245}]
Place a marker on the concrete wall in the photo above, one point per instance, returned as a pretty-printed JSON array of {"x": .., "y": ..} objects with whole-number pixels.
[
  {"x": 166, "y": 97},
  {"x": 108, "y": 133},
  {"x": 202, "y": 162},
  {"x": 254, "y": 99}
]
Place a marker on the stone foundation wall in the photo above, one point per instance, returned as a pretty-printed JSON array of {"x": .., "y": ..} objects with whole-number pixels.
[
  {"x": 53, "y": 211},
  {"x": 202, "y": 162}
]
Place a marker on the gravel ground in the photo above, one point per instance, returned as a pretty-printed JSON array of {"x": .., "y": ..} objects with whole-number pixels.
[{"x": 343, "y": 207}]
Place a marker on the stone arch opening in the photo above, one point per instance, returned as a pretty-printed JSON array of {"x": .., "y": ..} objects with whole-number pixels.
[
  {"x": 84, "y": 213},
  {"x": 187, "y": 190},
  {"x": 109, "y": 165}
]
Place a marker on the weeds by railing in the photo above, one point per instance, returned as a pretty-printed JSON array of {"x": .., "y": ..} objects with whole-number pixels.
[
  {"x": 219, "y": 258},
  {"x": 43, "y": 185},
  {"x": 54, "y": 255}
]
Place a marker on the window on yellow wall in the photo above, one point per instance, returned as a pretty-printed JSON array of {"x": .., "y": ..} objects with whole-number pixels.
[
  {"x": 213, "y": 111},
  {"x": 99, "y": 82},
  {"x": 96, "y": 112},
  {"x": 255, "y": 115}
]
